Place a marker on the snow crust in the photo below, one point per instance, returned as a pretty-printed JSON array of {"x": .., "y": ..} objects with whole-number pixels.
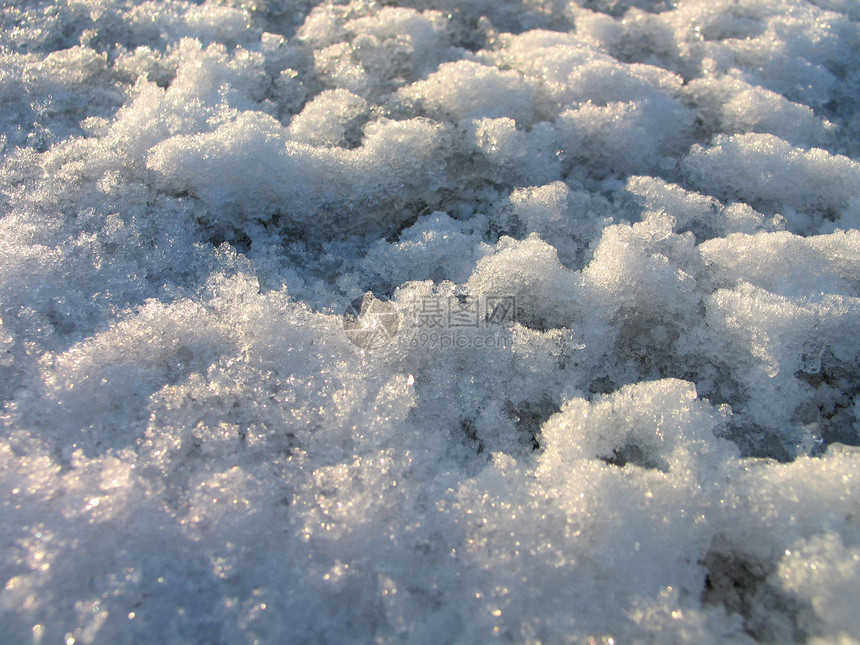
[{"x": 611, "y": 249}]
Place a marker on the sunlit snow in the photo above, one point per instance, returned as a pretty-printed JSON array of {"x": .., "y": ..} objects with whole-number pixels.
[{"x": 516, "y": 321}]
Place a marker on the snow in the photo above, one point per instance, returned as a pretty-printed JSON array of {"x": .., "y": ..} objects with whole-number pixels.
[
  {"x": 769, "y": 173},
  {"x": 523, "y": 321}
]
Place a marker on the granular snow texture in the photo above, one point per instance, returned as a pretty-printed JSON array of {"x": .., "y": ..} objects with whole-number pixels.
[{"x": 530, "y": 321}]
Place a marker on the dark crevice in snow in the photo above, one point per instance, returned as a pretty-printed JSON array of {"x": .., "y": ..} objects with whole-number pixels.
[
  {"x": 739, "y": 582},
  {"x": 529, "y": 417},
  {"x": 635, "y": 455}
]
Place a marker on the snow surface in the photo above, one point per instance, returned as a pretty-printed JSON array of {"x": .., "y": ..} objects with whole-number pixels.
[{"x": 227, "y": 228}]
